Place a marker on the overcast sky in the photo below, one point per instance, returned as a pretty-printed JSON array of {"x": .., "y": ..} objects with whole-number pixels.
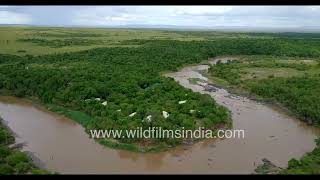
[{"x": 206, "y": 16}]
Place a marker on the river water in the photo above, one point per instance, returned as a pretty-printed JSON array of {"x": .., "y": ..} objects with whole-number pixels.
[{"x": 61, "y": 145}]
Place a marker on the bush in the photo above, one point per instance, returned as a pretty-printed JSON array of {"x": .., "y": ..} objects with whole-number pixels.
[
  {"x": 23, "y": 167},
  {"x": 6, "y": 169},
  {"x": 39, "y": 171},
  {"x": 4, "y": 152},
  {"x": 293, "y": 163},
  {"x": 16, "y": 158}
]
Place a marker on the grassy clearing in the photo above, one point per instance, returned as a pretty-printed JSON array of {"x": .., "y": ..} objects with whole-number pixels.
[
  {"x": 263, "y": 73},
  {"x": 77, "y": 116},
  {"x": 195, "y": 80},
  {"x": 263, "y": 67}
]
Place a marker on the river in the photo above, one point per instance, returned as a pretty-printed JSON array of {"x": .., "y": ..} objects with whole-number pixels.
[{"x": 61, "y": 145}]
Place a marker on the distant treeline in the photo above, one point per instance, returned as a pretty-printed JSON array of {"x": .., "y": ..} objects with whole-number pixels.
[
  {"x": 66, "y": 35},
  {"x": 57, "y": 43},
  {"x": 217, "y": 34}
]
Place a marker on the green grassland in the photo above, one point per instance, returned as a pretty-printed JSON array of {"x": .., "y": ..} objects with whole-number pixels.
[
  {"x": 22, "y": 40},
  {"x": 39, "y": 41}
]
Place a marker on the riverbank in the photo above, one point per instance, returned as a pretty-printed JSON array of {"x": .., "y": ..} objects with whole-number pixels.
[
  {"x": 84, "y": 120},
  {"x": 191, "y": 75},
  {"x": 269, "y": 137},
  {"x": 255, "y": 97},
  {"x": 285, "y": 82},
  {"x": 12, "y": 160},
  {"x": 309, "y": 163},
  {"x": 54, "y": 138}
]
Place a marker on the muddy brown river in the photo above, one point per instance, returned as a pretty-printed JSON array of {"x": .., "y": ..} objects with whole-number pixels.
[{"x": 61, "y": 145}]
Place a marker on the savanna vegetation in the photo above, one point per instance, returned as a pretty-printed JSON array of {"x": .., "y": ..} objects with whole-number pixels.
[
  {"x": 118, "y": 84},
  {"x": 57, "y": 43},
  {"x": 41, "y": 40}
]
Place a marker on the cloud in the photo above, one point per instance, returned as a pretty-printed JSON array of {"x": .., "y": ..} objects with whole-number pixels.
[
  {"x": 206, "y": 16},
  {"x": 102, "y": 16},
  {"x": 202, "y": 10},
  {"x": 7, "y": 17}
]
